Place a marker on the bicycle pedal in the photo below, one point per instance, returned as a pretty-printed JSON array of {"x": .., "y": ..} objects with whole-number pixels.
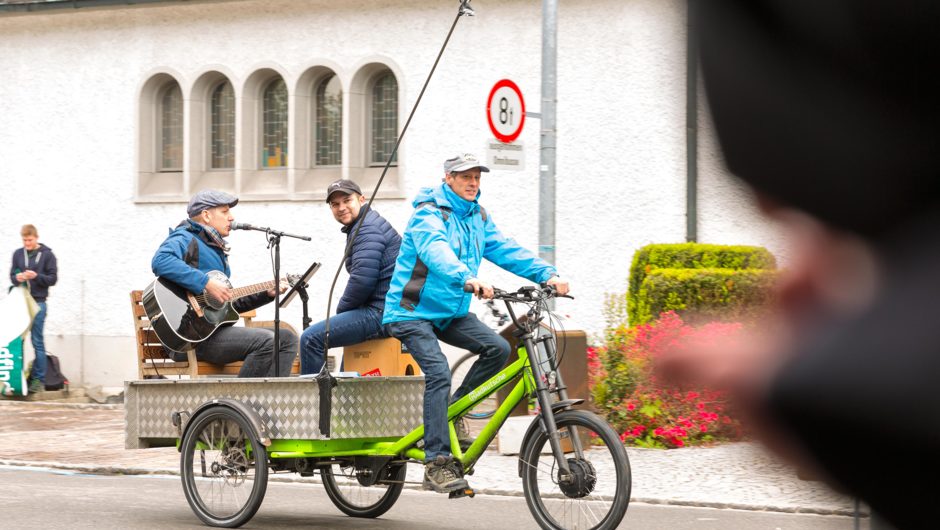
[{"x": 462, "y": 492}]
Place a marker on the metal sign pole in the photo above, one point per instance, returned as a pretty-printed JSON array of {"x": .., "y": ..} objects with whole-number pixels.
[{"x": 548, "y": 140}]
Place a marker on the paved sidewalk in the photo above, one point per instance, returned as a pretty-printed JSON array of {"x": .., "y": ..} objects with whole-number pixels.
[{"x": 90, "y": 438}]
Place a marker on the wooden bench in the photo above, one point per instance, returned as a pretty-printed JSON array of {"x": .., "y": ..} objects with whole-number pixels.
[{"x": 152, "y": 359}]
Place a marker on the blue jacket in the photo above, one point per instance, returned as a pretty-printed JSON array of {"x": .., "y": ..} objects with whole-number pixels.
[
  {"x": 443, "y": 246},
  {"x": 185, "y": 257},
  {"x": 370, "y": 262},
  {"x": 45, "y": 265}
]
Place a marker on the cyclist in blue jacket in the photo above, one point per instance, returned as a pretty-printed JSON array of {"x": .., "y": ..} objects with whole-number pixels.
[{"x": 447, "y": 238}]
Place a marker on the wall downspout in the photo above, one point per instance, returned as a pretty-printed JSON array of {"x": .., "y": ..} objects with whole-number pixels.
[{"x": 691, "y": 127}]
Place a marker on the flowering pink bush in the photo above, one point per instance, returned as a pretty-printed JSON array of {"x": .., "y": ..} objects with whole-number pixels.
[{"x": 647, "y": 412}]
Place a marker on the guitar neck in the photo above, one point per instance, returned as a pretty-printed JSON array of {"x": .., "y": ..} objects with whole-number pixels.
[{"x": 248, "y": 290}]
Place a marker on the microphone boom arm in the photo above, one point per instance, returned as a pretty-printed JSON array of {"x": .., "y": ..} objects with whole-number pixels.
[{"x": 246, "y": 226}]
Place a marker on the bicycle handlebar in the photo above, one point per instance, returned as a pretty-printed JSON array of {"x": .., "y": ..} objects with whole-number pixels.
[{"x": 527, "y": 293}]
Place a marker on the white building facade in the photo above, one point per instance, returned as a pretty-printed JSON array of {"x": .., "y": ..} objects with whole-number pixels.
[{"x": 112, "y": 116}]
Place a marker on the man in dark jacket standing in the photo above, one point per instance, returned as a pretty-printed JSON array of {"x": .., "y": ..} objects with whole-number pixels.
[
  {"x": 370, "y": 263},
  {"x": 35, "y": 265},
  {"x": 194, "y": 249}
]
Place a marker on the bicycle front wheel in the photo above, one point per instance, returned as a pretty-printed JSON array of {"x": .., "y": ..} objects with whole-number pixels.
[
  {"x": 224, "y": 468},
  {"x": 355, "y": 500},
  {"x": 458, "y": 373},
  {"x": 598, "y": 493}
]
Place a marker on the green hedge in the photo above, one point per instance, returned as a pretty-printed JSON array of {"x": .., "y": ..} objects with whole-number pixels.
[
  {"x": 707, "y": 281},
  {"x": 703, "y": 294}
]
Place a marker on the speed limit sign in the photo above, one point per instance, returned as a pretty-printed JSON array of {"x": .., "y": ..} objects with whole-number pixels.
[{"x": 505, "y": 111}]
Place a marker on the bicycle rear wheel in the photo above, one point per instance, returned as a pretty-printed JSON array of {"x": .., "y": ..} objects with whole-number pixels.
[
  {"x": 598, "y": 496},
  {"x": 224, "y": 468},
  {"x": 458, "y": 373},
  {"x": 355, "y": 500}
]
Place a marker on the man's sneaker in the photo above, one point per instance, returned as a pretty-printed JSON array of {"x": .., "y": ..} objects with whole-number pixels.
[
  {"x": 463, "y": 433},
  {"x": 443, "y": 475},
  {"x": 35, "y": 385}
]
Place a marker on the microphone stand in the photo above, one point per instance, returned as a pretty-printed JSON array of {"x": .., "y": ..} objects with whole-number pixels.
[
  {"x": 274, "y": 239},
  {"x": 304, "y": 298}
]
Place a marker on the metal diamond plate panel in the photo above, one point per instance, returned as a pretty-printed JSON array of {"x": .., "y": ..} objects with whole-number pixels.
[{"x": 362, "y": 408}]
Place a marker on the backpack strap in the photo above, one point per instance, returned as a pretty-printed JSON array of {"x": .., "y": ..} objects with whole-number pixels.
[{"x": 445, "y": 211}]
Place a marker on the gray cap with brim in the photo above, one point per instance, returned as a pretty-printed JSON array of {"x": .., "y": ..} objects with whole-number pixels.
[{"x": 462, "y": 163}]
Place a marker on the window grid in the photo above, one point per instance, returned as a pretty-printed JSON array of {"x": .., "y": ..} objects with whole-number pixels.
[
  {"x": 328, "y": 129},
  {"x": 223, "y": 127},
  {"x": 384, "y": 118},
  {"x": 171, "y": 129},
  {"x": 274, "y": 118}
]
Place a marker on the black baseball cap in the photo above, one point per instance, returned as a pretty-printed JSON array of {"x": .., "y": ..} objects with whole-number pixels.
[{"x": 343, "y": 186}]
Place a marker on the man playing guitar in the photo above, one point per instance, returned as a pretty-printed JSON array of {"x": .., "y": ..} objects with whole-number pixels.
[{"x": 194, "y": 249}]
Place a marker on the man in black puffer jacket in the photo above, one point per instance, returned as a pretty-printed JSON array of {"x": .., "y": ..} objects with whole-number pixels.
[{"x": 370, "y": 264}]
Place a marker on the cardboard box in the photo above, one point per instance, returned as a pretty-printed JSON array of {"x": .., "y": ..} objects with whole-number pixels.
[{"x": 381, "y": 357}]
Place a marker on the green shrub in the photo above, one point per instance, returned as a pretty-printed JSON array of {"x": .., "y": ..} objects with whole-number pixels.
[
  {"x": 701, "y": 295},
  {"x": 646, "y": 299}
]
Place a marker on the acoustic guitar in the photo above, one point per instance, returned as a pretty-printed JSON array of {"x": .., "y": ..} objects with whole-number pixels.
[{"x": 182, "y": 319}]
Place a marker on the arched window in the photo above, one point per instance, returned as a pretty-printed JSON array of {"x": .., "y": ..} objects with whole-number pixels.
[
  {"x": 384, "y": 118},
  {"x": 274, "y": 125},
  {"x": 328, "y": 128},
  {"x": 170, "y": 128},
  {"x": 222, "y": 127}
]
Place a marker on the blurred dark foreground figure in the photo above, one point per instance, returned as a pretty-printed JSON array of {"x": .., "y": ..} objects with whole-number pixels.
[{"x": 830, "y": 110}]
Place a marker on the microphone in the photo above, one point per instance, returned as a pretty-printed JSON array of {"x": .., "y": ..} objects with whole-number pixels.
[{"x": 245, "y": 226}]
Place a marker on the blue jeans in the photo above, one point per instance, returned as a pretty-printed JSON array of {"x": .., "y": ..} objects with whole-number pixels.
[
  {"x": 351, "y": 327},
  {"x": 420, "y": 337},
  {"x": 39, "y": 344}
]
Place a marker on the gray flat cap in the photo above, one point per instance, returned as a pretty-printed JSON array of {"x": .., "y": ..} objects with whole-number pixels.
[{"x": 205, "y": 199}]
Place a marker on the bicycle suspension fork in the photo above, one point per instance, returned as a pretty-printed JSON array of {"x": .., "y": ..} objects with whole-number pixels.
[
  {"x": 560, "y": 388},
  {"x": 544, "y": 398}
]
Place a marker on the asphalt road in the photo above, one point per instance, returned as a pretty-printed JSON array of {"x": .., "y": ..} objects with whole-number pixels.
[{"x": 43, "y": 498}]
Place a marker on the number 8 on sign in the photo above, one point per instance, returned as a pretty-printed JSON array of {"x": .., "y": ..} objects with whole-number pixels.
[{"x": 505, "y": 111}]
